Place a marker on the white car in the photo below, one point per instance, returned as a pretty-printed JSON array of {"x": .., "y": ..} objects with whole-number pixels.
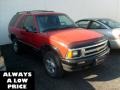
[{"x": 107, "y": 27}]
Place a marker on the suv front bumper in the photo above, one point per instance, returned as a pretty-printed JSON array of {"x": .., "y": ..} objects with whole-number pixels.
[{"x": 77, "y": 64}]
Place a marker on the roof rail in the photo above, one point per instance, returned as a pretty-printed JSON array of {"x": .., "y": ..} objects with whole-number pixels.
[
  {"x": 33, "y": 11},
  {"x": 41, "y": 11}
]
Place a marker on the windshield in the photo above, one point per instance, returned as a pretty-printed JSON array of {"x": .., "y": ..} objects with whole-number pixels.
[
  {"x": 54, "y": 22},
  {"x": 111, "y": 23}
]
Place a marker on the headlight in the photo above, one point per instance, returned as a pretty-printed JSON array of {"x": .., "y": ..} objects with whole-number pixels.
[{"x": 72, "y": 54}]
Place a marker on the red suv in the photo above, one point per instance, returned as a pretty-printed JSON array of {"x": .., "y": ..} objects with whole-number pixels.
[{"x": 64, "y": 46}]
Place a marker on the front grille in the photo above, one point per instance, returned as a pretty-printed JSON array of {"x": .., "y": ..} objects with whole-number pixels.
[
  {"x": 95, "y": 49},
  {"x": 92, "y": 50}
]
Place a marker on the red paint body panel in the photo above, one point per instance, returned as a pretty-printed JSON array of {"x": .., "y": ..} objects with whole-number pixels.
[
  {"x": 69, "y": 36},
  {"x": 59, "y": 38}
]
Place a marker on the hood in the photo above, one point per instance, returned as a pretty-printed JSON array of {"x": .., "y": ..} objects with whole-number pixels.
[{"x": 73, "y": 35}]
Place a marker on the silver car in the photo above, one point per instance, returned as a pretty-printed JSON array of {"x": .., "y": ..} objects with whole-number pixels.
[{"x": 107, "y": 27}]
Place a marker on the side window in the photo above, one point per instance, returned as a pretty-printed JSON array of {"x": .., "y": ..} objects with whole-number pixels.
[
  {"x": 64, "y": 21},
  {"x": 83, "y": 24},
  {"x": 14, "y": 19},
  {"x": 27, "y": 23},
  {"x": 21, "y": 23},
  {"x": 95, "y": 25}
]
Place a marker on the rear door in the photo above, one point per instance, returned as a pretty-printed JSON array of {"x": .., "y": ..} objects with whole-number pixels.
[
  {"x": 27, "y": 29},
  {"x": 21, "y": 30}
]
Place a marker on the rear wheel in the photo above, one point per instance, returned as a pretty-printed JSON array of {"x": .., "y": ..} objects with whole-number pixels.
[
  {"x": 52, "y": 64},
  {"x": 17, "y": 47}
]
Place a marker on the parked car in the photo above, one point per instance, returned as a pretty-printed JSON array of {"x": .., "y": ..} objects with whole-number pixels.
[
  {"x": 2, "y": 63},
  {"x": 109, "y": 28},
  {"x": 64, "y": 46}
]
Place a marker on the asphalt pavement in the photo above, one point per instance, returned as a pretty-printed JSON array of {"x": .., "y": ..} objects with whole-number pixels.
[{"x": 103, "y": 77}]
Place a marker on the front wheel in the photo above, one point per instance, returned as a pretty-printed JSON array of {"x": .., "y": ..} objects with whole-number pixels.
[{"x": 52, "y": 64}]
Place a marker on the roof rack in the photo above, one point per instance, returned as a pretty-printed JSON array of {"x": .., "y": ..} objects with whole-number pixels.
[{"x": 33, "y": 11}]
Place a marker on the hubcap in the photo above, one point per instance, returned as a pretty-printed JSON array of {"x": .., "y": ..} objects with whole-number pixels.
[
  {"x": 15, "y": 46},
  {"x": 50, "y": 65}
]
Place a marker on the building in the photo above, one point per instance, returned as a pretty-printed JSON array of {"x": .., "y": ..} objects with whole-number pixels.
[{"x": 76, "y": 9}]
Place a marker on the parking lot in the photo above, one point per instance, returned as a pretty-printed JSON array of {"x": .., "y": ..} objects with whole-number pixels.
[{"x": 103, "y": 77}]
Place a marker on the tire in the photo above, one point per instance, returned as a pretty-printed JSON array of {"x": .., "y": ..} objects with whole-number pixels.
[
  {"x": 17, "y": 47},
  {"x": 52, "y": 64}
]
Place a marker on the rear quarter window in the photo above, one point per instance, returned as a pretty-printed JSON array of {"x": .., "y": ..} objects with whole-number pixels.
[{"x": 13, "y": 20}]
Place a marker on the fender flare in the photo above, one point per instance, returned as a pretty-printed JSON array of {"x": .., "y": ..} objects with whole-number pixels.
[{"x": 46, "y": 48}]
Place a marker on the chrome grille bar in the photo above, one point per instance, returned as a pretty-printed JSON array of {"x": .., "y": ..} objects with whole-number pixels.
[
  {"x": 96, "y": 49},
  {"x": 92, "y": 49},
  {"x": 96, "y": 52},
  {"x": 91, "y": 45}
]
